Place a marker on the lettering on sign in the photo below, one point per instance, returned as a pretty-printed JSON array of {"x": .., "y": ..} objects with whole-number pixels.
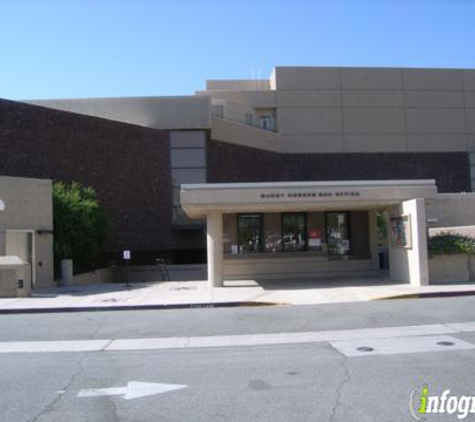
[{"x": 306, "y": 194}]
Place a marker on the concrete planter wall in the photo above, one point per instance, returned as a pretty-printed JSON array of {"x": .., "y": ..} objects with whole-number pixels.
[
  {"x": 452, "y": 269},
  {"x": 103, "y": 275}
]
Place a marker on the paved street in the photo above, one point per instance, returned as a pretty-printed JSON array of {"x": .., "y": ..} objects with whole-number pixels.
[{"x": 237, "y": 364}]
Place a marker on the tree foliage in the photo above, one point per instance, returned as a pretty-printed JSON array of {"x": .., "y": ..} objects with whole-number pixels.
[
  {"x": 451, "y": 244},
  {"x": 81, "y": 226}
]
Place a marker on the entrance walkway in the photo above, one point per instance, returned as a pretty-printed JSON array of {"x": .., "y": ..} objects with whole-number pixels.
[{"x": 236, "y": 293}]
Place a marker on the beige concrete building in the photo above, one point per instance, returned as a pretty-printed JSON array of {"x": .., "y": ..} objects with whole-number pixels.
[
  {"x": 353, "y": 109},
  {"x": 285, "y": 175},
  {"x": 26, "y": 225},
  {"x": 315, "y": 110}
]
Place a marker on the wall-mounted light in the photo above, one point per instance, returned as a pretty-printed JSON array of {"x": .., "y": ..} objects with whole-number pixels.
[{"x": 2, "y": 205}]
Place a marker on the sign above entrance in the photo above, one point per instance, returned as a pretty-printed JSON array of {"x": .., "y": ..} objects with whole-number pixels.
[{"x": 197, "y": 200}]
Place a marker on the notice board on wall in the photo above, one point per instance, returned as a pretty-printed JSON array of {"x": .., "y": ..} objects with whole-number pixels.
[{"x": 400, "y": 231}]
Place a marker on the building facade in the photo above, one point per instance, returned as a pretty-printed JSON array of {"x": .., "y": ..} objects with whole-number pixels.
[
  {"x": 303, "y": 124},
  {"x": 26, "y": 226}
]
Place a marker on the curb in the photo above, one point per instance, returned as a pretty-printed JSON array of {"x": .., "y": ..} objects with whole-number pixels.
[
  {"x": 134, "y": 307},
  {"x": 428, "y": 295}
]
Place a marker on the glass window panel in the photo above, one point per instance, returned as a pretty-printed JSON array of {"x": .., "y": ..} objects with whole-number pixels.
[
  {"x": 186, "y": 158},
  {"x": 187, "y": 139},
  {"x": 250, "y": 233},
  {"x": 294, "y": 236},
  {"x": 183, "y": 176},
  {"x": 230, "y": 233},
  {"x": 316, "y": 231},
  {"x": 337, "y": 233},
  {"x": 273, "y": 234}
]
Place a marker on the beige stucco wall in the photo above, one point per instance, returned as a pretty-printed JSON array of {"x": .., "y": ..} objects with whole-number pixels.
[
  {"x": 237, "y": 84},
  {"x": 370, "y": 110},
  {"x": 452, "y": 269},
  {"x": 321, "y": 109},
  {"x": 187, "y": 112},
  {"x": 28, "y": 206},
  {"x": 451, "y": 209},
  {"x": 332, "y": 109}
]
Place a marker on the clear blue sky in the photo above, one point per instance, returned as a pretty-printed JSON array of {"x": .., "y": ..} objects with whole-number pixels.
[{"x": 93, "y": 48}]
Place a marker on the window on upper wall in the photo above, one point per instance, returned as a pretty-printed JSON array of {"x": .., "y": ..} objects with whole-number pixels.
[
  {"x": 249, "y": 119},
  {"x": 267, "y": 122},
  {"x": 294, "y": 232},
  {"x": 250, "y": 233}
]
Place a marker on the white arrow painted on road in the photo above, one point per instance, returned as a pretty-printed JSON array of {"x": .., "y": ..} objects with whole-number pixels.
[{"x": 133, "y": 390}]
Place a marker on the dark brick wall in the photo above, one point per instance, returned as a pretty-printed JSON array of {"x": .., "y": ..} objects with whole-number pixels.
[
  {"x": 233, "y": 163},
  {"x": 128, "y": 166}
]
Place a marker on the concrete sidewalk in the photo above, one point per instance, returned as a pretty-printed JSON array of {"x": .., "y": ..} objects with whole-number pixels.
[{"x": 176, "y": 294}]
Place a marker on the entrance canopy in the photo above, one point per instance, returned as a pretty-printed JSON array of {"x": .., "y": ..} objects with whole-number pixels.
[
  {"x": 199, "y": 199},
  {"x": 408, "y": 260}
]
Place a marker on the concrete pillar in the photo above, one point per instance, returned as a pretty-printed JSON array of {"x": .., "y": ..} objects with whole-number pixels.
[
  {"x": 410, "y": 264},
  {"x": 419, "y": 261},
  {"x": 214, "y": 241},
  {"x": 373, "y": 240}
]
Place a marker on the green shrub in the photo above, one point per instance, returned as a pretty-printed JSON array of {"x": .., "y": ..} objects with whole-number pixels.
[
  {"x": 451, "y": 244},
  {"x": 80, "y": 224}
]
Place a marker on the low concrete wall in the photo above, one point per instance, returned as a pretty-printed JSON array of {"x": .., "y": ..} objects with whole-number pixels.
[
  {"x": 272, "y": 267},
  {"x": 13, "y": 272},
  {"x": 147, "y": 273},
  {"x": 103, "y": 275},
  {"x": 140, "y": 274},
  {"x": 452, "y": 269}
]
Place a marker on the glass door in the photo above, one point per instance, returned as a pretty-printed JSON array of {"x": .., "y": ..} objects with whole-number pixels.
[
  {"x": 294, "y": 230},
  {"x": 338, "y": 241}
]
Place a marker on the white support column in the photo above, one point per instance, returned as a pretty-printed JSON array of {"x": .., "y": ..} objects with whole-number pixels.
[
  {"x": 410, "y": 264},
  {"x": 373, "y": 240},
  {"x": 418, "y": 259},
  {"x": 214, "y": 241}
]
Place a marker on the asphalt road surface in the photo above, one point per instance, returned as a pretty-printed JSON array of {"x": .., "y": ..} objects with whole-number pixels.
[{"x": 242, "y": 364}]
